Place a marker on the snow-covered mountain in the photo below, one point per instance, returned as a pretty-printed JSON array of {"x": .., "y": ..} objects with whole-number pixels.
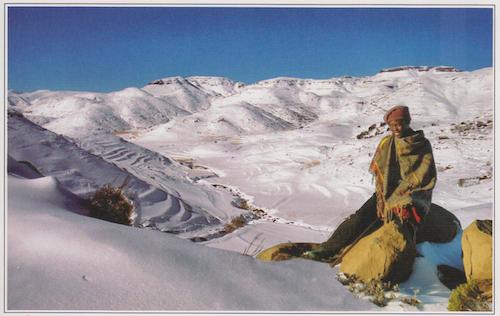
[
  {"x": 165, "y": 197},
  {"x": 223, "y": 106},
  {"x": 77, "y": 113},
  {"x": 213, "y": 86},
  {"x": 202, "y": 150},
  {"x": 282, "y": 139}
]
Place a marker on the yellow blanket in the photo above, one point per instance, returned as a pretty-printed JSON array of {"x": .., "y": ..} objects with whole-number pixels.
[{"x": 412, "y": 182}]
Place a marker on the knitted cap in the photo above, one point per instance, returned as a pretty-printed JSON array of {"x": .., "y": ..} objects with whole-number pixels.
[{"x": 397, "y": 113}]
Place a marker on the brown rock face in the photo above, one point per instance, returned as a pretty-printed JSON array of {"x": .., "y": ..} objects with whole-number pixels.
[{"x": 387, "y": 254}]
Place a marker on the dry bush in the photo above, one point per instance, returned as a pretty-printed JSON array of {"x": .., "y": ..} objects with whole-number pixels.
[
  {"x": 412, "y": 300},
  {"x": 242, "y": 203},
  {"x": 380, "y": 293},
  {"x": 110, "y": 203},
  {"x": 376, "y": 289},
  {"x": 235, "y": 223},
  {"x": 468, "y": 297}
]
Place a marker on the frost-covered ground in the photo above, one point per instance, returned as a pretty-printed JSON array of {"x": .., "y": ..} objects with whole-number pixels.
[{"x": 194, "y": 149}]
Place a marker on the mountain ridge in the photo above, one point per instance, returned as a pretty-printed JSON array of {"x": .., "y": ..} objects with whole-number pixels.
[{"x": 283, "y": 102}]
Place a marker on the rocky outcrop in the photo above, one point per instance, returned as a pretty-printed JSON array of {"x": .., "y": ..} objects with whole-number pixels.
[
  {"x": 477, "y": 248},
  {"x": 387, "y": 254}
]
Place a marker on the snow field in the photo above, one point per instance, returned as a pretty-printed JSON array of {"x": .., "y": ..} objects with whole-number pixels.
[
  {"x": 83, "y": 263},
  {"x": 294, "y": 148}
]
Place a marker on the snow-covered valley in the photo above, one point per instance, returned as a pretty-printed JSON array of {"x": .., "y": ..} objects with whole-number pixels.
[{"x": 200, "y": 151}]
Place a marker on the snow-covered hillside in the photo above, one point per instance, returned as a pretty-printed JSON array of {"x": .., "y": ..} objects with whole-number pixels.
[
  {"x": 59, "y": 260},
  {"x": 302, "y": 168},
  {"x": 202, "y": 150},
  {"x": 165, "y": 197},
  {"x": 74, "y": 113}
]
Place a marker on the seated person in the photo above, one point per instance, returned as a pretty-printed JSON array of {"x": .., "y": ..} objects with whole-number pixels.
[{"x": 405, "y": 175}]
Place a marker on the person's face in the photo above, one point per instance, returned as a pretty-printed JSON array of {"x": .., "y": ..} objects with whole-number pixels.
[{"x": 399, "y": 128}]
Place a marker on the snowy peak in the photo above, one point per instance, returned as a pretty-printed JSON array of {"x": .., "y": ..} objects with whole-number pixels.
[
  {"x": 165, "y": 81},
  {"x": 206, "y": 80},
  {"x": 214, "y": 81},
  {"x": 211, "y": 85},
  {"x": 219, "y": 85},
  {"x": 303, "y": 84}
]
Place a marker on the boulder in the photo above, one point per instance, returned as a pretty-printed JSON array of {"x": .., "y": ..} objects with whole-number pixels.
[
  {"x": 477, "y": 249},
  {"x": 387, "y": 254}
]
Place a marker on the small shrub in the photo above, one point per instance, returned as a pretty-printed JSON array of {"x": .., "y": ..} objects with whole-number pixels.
[
  {"x": 244, "y": 205},
  {"x": 258, "y": 212},
  {"x": 380, "y": 292},
  {"x": 347, "y": 279},
  {"x": 110, "y": 203},
  {"x": 241, "y": 203},
  {"x": 235, "y": 223},
  {"x": 468, "y": 297},
  {"x": 375, "y": 288},
  {"x": 412, "y": 300}
]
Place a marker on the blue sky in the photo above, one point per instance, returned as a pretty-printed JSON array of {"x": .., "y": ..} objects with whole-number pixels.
[{"x": 108, "y": 49}]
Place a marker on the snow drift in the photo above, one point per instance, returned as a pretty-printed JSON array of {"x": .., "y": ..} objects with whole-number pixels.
[{"x": 59, "y": 260}]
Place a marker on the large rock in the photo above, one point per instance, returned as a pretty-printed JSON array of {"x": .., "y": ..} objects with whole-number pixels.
[
  {"x": 477, "y": 250},
  {"x": 387, "y": 254}
]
